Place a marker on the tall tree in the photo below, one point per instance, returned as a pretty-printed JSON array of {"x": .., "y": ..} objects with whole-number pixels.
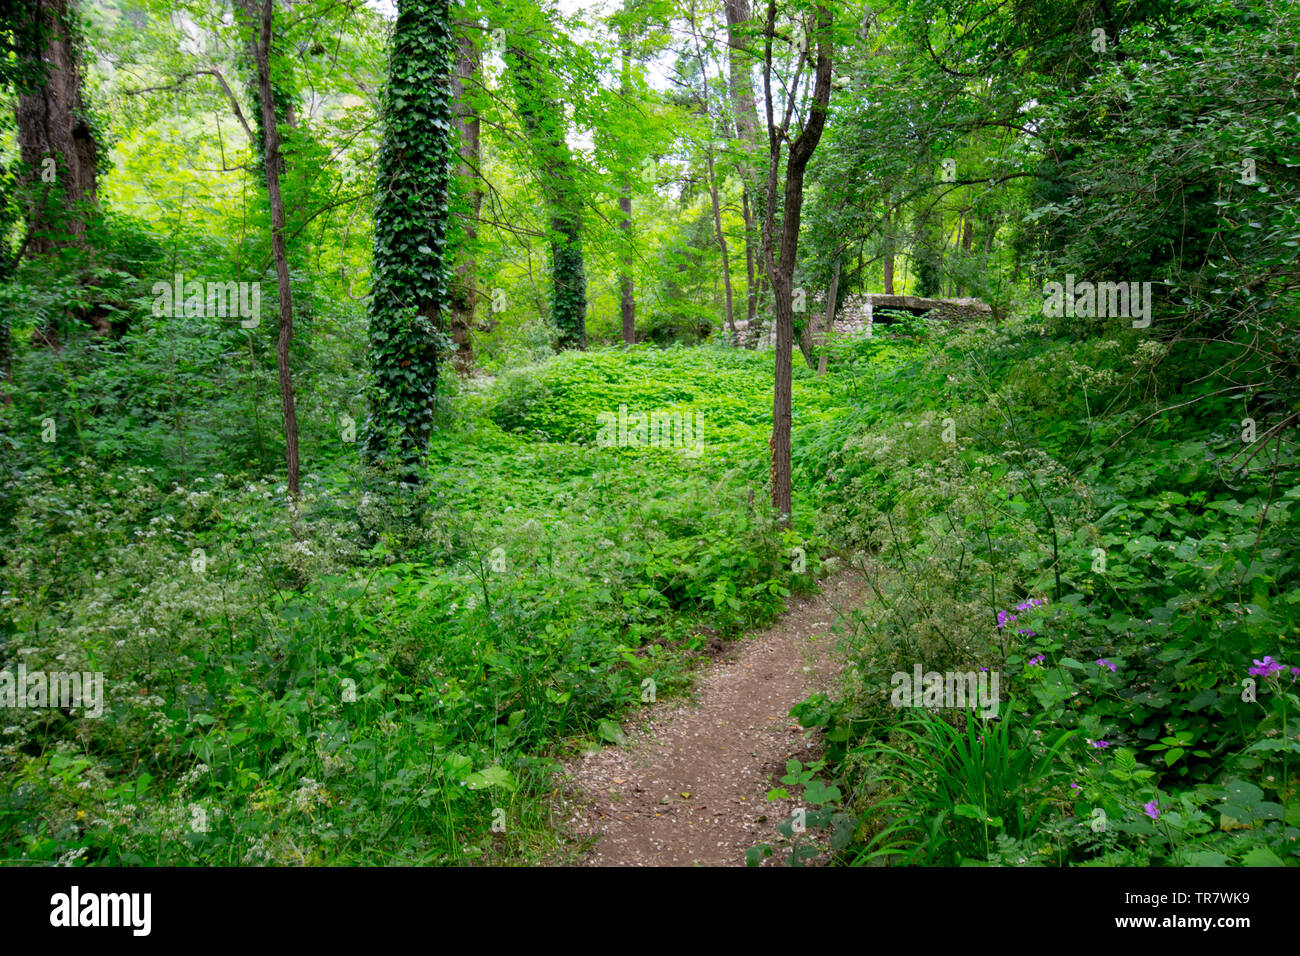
[
  {"x": 272, "y": 167},
  {"x": 543, "y": 117},
  {"x": 745, "y": 116},
  {"x": 781, "y": 236},
  {"x": 711, "y": 175},
  {"x": 627, "y": 295},
  {"x": 464, "y": 296},
  {"x": 283, "y": 95},
  {"x": 56, "y": 135},
  {"x": 411, "y": 291}
]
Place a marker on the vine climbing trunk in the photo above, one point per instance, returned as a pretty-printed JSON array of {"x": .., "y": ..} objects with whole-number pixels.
[
  {"x": 464, "y": 289},
  {"x": 411, "y": 291},
  {"x": 543, "y": 119}
]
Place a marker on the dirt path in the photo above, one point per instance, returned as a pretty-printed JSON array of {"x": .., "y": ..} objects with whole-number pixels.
[{"x": 691, "y": 786}]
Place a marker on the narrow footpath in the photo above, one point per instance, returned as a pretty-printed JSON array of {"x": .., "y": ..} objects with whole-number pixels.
[{"x": 690, "y": 788}]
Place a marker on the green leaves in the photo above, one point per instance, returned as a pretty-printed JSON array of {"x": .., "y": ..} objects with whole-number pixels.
[
  {"x": 494, "y": 776},
  {"x": 816, "y": 792},
  {"x": 411, "y": 292},
  {"x": 611, "y": 732}
]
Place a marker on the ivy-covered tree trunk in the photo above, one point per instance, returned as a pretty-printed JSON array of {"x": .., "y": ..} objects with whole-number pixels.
[
  {"x": 464, "y": 289},
  {"x": 56, "y": 137},
  {"x": 543, "y": 119},
  {"x": 411, "y": 291}
]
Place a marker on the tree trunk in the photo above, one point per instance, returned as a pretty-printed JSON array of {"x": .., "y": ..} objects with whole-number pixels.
[
  {"x": 889, "y": 252},
  {"x": 627, "y": 304},
  {"x": 272, "y": 160},
  {"x": 543, "y": 119},
  {"x": 6, "y": 358},
  {"x": 281, "y": 93},
  {"x": 410, "y": 293},
  {"x": 755, "y": 329},
  {"x": 745, "y": 110},
  {"x": 781, "y": 260},
  {"x": 967, "y": 238},
  {"x": 990, "y": 231},
  {"x": 722, "y": 245},
  {"x": 806, "y": 341},
  {"x": 831, "y": 295},
  {"x": 464, "y": 291},
  {"x": 751, "y": 292},
  {"x": 713, "y": 184},
  {"x": 56, "y": 140}
]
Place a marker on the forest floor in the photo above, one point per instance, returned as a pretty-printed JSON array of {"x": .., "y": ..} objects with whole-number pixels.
[{"x": 690, "y": 788}]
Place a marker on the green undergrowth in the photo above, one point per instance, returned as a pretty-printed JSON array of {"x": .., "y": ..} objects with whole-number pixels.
[
  {"x": 383, "y": 680},
  {"x": 1113, "y": 533}
]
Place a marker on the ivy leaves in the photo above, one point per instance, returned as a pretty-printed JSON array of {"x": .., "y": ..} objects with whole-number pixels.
[{"x": 411, "y": 292}]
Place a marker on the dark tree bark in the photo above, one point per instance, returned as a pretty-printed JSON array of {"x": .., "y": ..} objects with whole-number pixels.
[
  {"x": 271, "y": 155},
  {"x": 282, "y": 93},
  {"x": 782, "y": 243},
  {"x": 54, "y": 125}
]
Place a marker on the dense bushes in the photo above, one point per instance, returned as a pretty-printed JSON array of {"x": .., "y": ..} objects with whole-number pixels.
[
  {"x": 1163, "y": 543},
  {"x": 352, "y": 687}
]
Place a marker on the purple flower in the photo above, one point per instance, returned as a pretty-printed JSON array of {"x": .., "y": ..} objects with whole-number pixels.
[
  {"x": 1266, "y": 668},
  {"x": 1037, "y": 661},
  {"x": 1151, "y": 809},
  {"x": 1074, "y": 786},
  {"x": 1102, "y": 662},
  {"x": 1098, "y": 744}
]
